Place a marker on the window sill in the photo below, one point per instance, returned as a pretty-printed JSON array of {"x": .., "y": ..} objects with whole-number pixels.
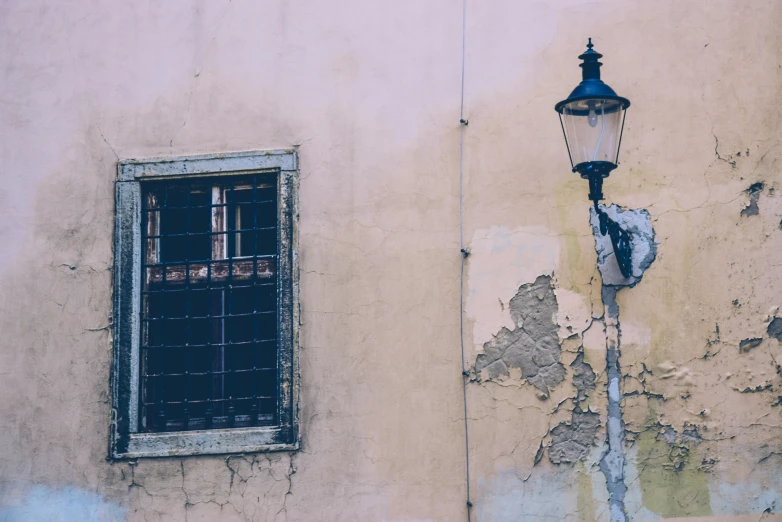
[{"x": 212, "y": 442}]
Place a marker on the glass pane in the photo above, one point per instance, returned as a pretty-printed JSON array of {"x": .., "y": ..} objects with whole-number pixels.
[
  {"x": 185, "y": 225},
  {"x": 593, "y": 129},
  {"x": 252, "y": 221}
]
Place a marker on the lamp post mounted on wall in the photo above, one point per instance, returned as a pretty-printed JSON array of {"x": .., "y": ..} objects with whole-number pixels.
[{"x": 592, "y": 120}]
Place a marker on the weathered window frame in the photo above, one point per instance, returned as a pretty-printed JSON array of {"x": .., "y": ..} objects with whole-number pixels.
[{"x": 126, "y": 441}]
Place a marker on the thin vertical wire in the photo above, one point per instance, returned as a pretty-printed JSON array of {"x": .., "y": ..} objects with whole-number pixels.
[{"x": 465, "y": 373}]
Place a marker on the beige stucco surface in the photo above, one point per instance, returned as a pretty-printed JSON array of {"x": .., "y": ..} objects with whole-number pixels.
[{"x": 370, "y": 93}]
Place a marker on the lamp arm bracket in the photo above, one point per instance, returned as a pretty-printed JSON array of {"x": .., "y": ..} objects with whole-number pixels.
[{"x": 620, "y": 238}]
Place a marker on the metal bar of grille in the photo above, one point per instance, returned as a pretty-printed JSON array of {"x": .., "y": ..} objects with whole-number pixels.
[
  {"x": 225, "y": 316},
  {"x": 219, "y": 261},
  {"x": 161, "y": 413},
  {"x": 256, "y": 355},
  {"x": 151, "y": 375},
  {"x": 277, "y": 307},
  {"x": 228, "y": 400},
  {"x": 206, "y": 345},
  {"x": 209, "y": 351},
  {"x": 198, "y": 234},
  {"x": 188, "y": 352},
  {"x": 153, "y": 208},
  {"x": 196, "y": 290},
  {"x": 229, "y": 353},
  {"x": 217, "y": 303}
]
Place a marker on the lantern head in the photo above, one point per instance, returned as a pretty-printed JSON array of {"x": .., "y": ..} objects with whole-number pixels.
[{"x": 592, "y": 120}]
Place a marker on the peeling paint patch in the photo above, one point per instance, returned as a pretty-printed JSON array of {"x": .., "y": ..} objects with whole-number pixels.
[
  {"x": 583, "y": 377},
  {"x": 63, "y": 505},
  {"x": 758, "y": 388},
  {"x": 775, "y": 329},
  {"x": 533, "y": 345},
  {"x": 679, "y": 443},
  {"x": 747, "y": 344},
  {"x": 754, "y": 192},
  {"x": 570, "y": 441},
  {"x": 638, "y": 223}
]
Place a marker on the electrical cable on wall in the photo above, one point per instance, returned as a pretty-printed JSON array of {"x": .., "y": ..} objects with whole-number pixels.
[{"x": 464, "y": 253}]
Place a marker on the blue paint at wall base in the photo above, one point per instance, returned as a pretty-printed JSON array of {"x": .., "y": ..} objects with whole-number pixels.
[{"x": 43, "y": 503}]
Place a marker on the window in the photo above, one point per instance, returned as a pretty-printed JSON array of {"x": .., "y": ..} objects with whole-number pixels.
[{"x": 206, "y": 305}]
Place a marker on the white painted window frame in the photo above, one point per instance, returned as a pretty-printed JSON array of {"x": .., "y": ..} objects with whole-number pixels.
[{"x": 126, "y": 441}]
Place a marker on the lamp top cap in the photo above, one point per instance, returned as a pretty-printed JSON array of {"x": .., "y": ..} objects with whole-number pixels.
[
  {"x": 590, "y": 53},
  {"x": 591, "y": 86},
  {"x": 590, "y": 66}
]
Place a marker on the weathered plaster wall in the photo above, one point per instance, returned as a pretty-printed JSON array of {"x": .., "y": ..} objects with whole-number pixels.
[
  {"x": 700, "y": 425},
  {"x": 370, "y": 92}
]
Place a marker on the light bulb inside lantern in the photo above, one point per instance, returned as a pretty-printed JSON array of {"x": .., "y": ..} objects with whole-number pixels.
[{"x": 592, "y": 117}]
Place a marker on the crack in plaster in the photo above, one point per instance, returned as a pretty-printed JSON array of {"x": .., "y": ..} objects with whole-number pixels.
[{"x": 255, "y": 483}]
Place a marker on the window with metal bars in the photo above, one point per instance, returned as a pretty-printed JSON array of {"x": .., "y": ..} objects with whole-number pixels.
[
  {"x": 209, "y": 311},
  {"x": 206, "y": 305}
]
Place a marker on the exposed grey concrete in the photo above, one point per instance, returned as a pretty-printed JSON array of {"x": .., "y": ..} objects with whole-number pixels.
[
  {"x": 638, "y": 224},
  {"x": 613, "y": 462},
  {"x": 583, "y": 377},
  {"x": 533, "y": 346},
  {"x": 570, "y": 442}
]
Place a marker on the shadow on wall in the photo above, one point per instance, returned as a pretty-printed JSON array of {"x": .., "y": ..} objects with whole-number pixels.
[{"x": 62, "y": 505}]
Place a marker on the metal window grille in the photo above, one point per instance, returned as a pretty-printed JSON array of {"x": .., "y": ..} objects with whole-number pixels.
[{"x": 209, "y": 314}]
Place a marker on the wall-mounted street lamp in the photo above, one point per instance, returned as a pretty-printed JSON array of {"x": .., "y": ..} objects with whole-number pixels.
[{"x": 592, "y": 120}]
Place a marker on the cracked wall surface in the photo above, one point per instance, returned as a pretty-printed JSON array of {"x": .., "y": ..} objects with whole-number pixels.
[{"x": 370, "y": 93}]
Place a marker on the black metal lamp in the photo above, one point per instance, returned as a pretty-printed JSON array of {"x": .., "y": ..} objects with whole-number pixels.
[{"x": 592, "y": 120}]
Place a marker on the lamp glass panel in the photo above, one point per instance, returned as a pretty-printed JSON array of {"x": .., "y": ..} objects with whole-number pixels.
[{"x": 593, "y": 129}]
